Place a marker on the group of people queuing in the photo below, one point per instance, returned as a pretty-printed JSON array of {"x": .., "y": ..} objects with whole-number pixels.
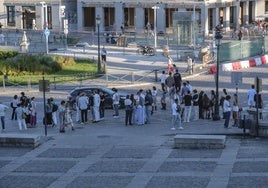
[
  {"x": 24, "y": 111},
  {"x": 140, "y": 107},
  {"x": 95, "y": 103},
  {"x": 188, "y": 104}
]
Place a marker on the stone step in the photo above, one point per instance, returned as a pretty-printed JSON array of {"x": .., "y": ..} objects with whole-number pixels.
[
  {"x": 20, "y": 140},
  {"x": 200, "y": 141}
]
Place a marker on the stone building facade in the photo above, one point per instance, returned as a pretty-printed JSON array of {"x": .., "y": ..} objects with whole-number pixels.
[{"x": 129, "y": 14}]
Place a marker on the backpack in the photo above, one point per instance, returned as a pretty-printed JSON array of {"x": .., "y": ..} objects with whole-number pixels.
[
  {"x": 178, "y": 108},
  {"x": 54, "y": 108}
]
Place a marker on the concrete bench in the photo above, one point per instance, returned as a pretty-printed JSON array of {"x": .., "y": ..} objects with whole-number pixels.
[
  {"x": 200, "y": 141},
  {"x": 19, "y": 140}
]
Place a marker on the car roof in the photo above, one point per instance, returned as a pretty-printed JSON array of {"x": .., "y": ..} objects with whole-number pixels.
[{"x": 92, "y": 88}]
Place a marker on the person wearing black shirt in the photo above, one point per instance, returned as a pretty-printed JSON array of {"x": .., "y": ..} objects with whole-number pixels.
[
  {"x": 195, "y": 105},
  {"x": 177, "y": 80},
  {"x": 102, "y": 105},
  {"x": 187, "y": 106}
]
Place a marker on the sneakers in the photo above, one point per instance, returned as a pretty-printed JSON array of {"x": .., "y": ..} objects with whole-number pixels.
[
  {"x": 173, "y": 128},
  {"x": 116, "y": 117},
  {"x": 181, "y": 128}
]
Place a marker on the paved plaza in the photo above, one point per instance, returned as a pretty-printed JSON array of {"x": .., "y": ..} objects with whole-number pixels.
[{"x": 110, "y": 155}]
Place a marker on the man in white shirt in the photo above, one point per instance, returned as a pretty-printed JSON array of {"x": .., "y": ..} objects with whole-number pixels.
[
  {"x": 176, "y": 116},
  {"x": 96, "y": 107},
  {"x": 3, "y": 109},
  {"x": 227, "y": 111},
  {"x": 251, "y": 94},
  {"x": 116, "y": 99},
  {"x": 163, "y": 78},
  {"x": 83, "y": 106}
]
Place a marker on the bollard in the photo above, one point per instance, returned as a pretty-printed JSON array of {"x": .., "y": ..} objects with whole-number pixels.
[
  {"x": 155, "y": 75},
  {"x": 132, "y": 78}
]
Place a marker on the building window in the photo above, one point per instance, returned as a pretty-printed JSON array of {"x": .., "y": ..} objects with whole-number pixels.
[
  {"x": 11, "y": 15},
  {"x": 266, "y": 7},
  {"x": 49, "y": 17}
]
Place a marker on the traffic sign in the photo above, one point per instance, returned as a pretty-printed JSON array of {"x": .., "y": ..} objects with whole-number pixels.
[{"x": 47, "y": 32}]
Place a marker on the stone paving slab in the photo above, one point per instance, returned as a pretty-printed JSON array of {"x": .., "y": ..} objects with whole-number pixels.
[
  {"x": 116, "y": 166},
  {"x": 41, "y": 166},
  {"x": 66, "y": 153},
  {"x": 191, "y": 153},
  {"x": 100, "y": 181},
  {"x": 23, "y": 181},
  {"x": 177, "y": 181},
  {"x": 187, "y": 166},
  {"x": 248, "y": 181}
]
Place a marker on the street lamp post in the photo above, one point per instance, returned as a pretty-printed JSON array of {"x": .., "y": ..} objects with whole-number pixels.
[
  {"x": 155, "y": 33},
  {"x": 218, "y": 37},
  {"x": 98, "y": 20}
]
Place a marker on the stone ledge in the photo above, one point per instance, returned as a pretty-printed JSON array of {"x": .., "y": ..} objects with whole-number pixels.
[
  {"x": 19, "y": 140},
  {"x": 200, "y": 141}
]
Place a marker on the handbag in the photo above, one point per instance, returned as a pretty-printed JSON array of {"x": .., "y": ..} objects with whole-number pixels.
[
  {"x": 24, "y": 115},
  {"x": 235, "y": 108}
]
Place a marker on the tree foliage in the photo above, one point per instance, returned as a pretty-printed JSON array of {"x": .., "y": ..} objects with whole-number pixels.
[{"x": 33, "y": 64}]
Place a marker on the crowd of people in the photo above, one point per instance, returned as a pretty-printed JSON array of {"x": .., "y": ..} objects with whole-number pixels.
[{"x": 185, "y": 102}]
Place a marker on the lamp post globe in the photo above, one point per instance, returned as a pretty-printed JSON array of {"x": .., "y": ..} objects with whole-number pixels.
[
  {"x": 98, "y": 20},
  {"x": 218, "y": 37}
]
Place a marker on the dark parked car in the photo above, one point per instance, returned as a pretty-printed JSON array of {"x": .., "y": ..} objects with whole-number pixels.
[{"x": 108, "y": 93}]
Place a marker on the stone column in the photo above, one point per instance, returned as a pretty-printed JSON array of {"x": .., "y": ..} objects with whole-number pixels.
[
  {"x": 226, "y": 18},
  {"x": 237, "y": 18},
  {"x": 80, "y": 15},
  {"x": 139, "y": 19},
  {"x": 204, "y": 20},
  {"x": 161, "y": 15},
  {"x": 119, "y": 16},
  {"x": 99, "y": 11},
  {"x": 215, "y": 17},
  {"x": 245, "y": 13}
]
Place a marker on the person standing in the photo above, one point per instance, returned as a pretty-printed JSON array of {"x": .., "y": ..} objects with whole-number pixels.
[
  {"x": 227, "y": 111},
  {"x": 3, "y": 109},
  {"x": 200, "y": 104},
  {"x": 62, "y": 112},
  {"x": 48, "y": 118},
  {"x": 163, "y": 78},
  {"x": 177, "y": 80},
  {"x": 195, "y": 105},
  {"x": 54, "y": 112},
  {"x": 134, "y": 108},
  {"x": 235, "y": 110},
  {"x": 176, "y": 116},
  {"x": 21, "y": 117},
  {"x": 33, "y": 114},
  {"x": 13, "y": 105},
  {"x": 96, "y": 107},
  {"x": 258, "y": 103},
  {"x": 251, "y": 93},
  {"x": 116, "y": 99},
  {"x": 154, "y": 95},
  {"x": 91, "y": 106},
  {"x": 78, "y": 112},
  {"x": 187, "y": 106},
  {"x": 103, "y": 54},
  {"x": 83, "y": 106},
  {"x": 170, "y": 82},
  {"x": 129, "y": 107},
  {"x": 148, "y": 106},
  {"x": 189, "y": 65},
  {"x": 102, "y": 105},
  {"x": 140, "y": 112},
  {"x": 68, "y": 115}
]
